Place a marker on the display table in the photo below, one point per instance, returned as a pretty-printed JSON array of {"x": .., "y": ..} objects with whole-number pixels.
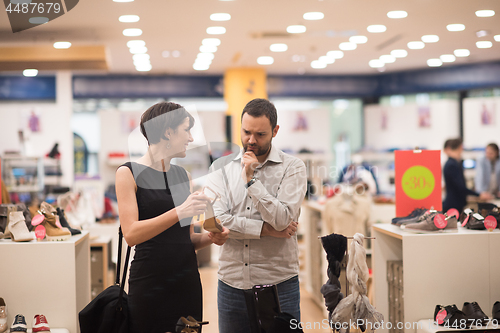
[
  {"x": 49, "y": 278},
  {"x": 438, "y": 268},
  {"x": 429, "y": 326}
]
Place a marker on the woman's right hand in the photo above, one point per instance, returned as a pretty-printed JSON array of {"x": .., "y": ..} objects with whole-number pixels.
[{"x": 195, "y": 204}]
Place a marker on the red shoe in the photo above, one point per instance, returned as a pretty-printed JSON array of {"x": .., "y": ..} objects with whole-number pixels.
[{"x": 40, "y": 324}]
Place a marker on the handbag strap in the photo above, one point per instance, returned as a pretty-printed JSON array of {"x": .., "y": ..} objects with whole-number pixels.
[{"x": 125, "y": 266}]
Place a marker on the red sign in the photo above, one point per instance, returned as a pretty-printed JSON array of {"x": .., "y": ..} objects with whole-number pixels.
[
  {"x": 418, "y": 180},
  {"x": 490, "y": 222},
  {"x": 440, "y": 221},
  {"x": 40, "y": 232}
]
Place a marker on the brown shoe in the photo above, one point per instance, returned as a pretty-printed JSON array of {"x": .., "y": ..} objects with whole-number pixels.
[{"x": 52, "y": 231}]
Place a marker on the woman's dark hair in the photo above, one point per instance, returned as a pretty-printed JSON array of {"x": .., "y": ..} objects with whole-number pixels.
[
  {"x": 453, "y": 144},
  {"x": 158, "y": 118},
  {"x": 261, "y": 107},
  {"x": 493, "y": 146}
]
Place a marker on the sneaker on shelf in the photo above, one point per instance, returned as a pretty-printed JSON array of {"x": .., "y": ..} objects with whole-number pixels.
[
  {"x": 452, "y": 222},
  {"x": 495, "y": 311},
  {"x": 426, "y": 224},
  {"x": 40, "y": 324},
  {"x": 449, "y": 316},
  {"x": 471, "y": 220},
  {"x": 19, "y": 324},
  {"x": 3, "y": 316},
  {"x": 475, "y": 315},
  {"x": 64, "y": 222},
  {"x": 420, "y": 218},
  {"x": 53, "y": 232},
  {"x": 413, "y": 216}
]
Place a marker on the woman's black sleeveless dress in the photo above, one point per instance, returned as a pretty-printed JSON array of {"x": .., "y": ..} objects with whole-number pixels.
[{"x": 164, "y": 282}]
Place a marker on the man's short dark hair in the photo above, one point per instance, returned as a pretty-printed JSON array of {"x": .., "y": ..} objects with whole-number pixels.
[
  {"x": 259, "y": 107},
  {"x": 453, "y": 144}
]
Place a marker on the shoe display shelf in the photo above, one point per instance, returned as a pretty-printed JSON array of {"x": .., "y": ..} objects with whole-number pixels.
[
  {"x": 52, "y": 278},
  {"x": 23, "y": 174},
  {"x": 429, "y": 326},
  {"x": 437, "y": 268}
]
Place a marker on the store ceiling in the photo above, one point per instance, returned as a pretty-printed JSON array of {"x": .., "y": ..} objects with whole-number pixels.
[{"x": 171, "y": 26}]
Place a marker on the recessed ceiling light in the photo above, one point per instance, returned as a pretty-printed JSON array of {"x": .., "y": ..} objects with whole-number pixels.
[
  {"x": 136, "y": 43},
  {"x": 132, "y": 32},
  {"x": 497, "y": 38},
  {"x": 265, "y": 60},
  {"x": 461, "y": 53},
  {"x": 295, "y": 58},
  {"x": 358, "y": 39},
  {"x": 335, "y": 54},
  {"x": 211, "y": 41},
  {"x": 144, "y": 68},
  {"x": 430, "y": 38},
  {"x": 200, "y": 67},
  {"x": 481, "y": 33},
  {"x": 62, "y": 45},
  {"x": 216, "y": 30},
  {"x": 311, "y": 16},
  {"x": 347, "y": 46},
  {"x": 485, "y": 13},
  {"x": 165, "y": 54},
  {"x": 141, "y": 57},
  {"x": 396, "y": 14},
  {"x": 376, "y": 28},
  {"x": 387, "y": 58},
  {"x": 176, "y": 54},
  {"x": 220, "y": 17},
  {"x": 399, "y": 53},
  {"x": 142, "y": 62},
  {"x": 301, "y": 71},
  {"x": 203, "y": 62},
  {"x": 205, "y": 56},
  {"x": 484, "y": 44},
  {"x": 30, "y": 72},
  {"x": 416, "y": 45},
  {"x": 208, "y": 48},
  {"x": 128, "y": 18},
  {"x": 447, "y": 58},
  {"x": 317, "y": 64},
  {"x": 278, "y": 47},
  {"x": 327, "y": 59},
  {"x": 434, "y": 62},
  {"x": 138, "y": 50},
  {"x": 295, "y": 29},
  {"x": 455, "y": 27},
  {"x": 376, "y": 63}
]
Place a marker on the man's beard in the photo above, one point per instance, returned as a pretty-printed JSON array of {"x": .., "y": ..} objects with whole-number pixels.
[{"x": 260, "y": 151}]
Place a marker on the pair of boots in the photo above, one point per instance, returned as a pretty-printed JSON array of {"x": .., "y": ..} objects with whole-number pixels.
[
  {"x": 53, "y": 231},
  {"x": 16, "y": 228}
]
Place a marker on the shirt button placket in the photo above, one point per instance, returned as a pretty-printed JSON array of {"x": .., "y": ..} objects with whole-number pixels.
[{"x": 246, "y": 259}]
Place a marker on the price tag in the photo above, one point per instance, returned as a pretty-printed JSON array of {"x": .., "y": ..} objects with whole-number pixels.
[
  {"x": 37, "y": 219},
  {"x": 440, "y": 221},
  {"x": 465, "y": 220},
  {"x": 58, "y": 223},
  {"x": 40, "y": 232},
  {"x": 453, "y": 212},
  {"x": 490, "y": 222},
  {"x": 440, "y": 316}
]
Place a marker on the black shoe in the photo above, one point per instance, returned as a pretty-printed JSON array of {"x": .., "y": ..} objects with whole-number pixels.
[
  {"x": 415, "y": 214},
  {"x": 495, "y": 312},
  {"x": 449, "y": 316},
  {"x": 486, "y": 209},
  {"x": 472, "y": 220},
  {"x": 475, "y": 316},
  {"x": 64, "y": 222}
]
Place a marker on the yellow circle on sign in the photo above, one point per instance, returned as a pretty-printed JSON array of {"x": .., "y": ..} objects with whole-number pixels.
[{"x": 418, "y": 182}]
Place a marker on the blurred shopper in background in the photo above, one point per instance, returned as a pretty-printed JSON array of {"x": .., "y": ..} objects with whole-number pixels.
[{"x": 488, "y": 173}]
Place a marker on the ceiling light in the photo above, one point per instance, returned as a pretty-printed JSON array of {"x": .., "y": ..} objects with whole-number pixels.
[
  {"x": 335, "y": 54},
  {"x": 327, "y": 60},
  {"x": 136, "y": 43},
  {"x": 430, "y": 38},
  {"x": 279, "y": 47},
  {"x": 497, "y": 38},
  {"x": 376, "y": 63},
  {"x": 141, "y": 57},
  {"x": 311, "y": 16},
  {"x": 176, "y": 54},
  {"x": 211, "y": 41},
  {"x": 138, "y": 50},
  {"x": 347, "y": 46},
  {"x": 295, "y": 29},
  {"x": 484, "y": 44},
  {"x": 399, "y": 53},
  {"x": 220, "y": 17},
  {"x": 455, "y": 27},
  {"x": 208, "y": 48},
  {"x": 376, "y": 28},
  {"x": 165, "y": 54},
  {"x": 416, "y": 45},
  {"x": 387, "y": 59},
  {"x": 145, "y": 62},
  {"x": 205, "y": 56},
  {"x": 216, "y": 30},
  {"x": 434, "y": 62},
  {"x": 30, "y": 72},
  {"x": 461, "y": 53},
  {"x": 447, "y": 58},
  {"x": 128, "y": 18},
  {"x": 481, "y": 33},
  {"x": 318, "y": 64},
  {"x": 200, "y": 61},
  {"x": 144, "y": 68},
  {"x": 396, "y": 14},
  {"x": 132, "y": 32},
  {"x": 485, "y": 13},
  {"x": 62, "y": 45},
  {"x": 200, "y": 67},
  {"x": 358, "y": 39},
  {"x": 265, "y": 60}
]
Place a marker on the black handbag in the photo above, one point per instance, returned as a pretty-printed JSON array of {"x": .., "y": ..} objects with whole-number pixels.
[{"x": 108, "y": 312}]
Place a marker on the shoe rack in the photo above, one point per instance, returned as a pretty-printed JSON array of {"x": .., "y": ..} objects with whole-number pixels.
[
  {"x": 52, "y": 278},
  {"x": 438, "y": 268}
]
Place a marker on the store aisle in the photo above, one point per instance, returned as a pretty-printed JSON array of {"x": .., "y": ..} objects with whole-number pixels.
[{"x": 310, "y": 312}]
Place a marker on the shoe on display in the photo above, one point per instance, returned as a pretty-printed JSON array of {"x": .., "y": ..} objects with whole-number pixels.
[
  {"x": 18, "y": 228},
  {"x": 5, "y": 211},
  {"x": 475, "y": 315},
  {"x": 64, "y": 222},
  {"x": 412, "y": 217},
  {"x": 52, "y": 231},
  {"x": 40, "y": 324},
  {"x": 495, "y": 312},
  {"x": 420, "y": 218},
  {"x": 19, "y": 324},
  {"x": 3, "y": 316},
  {"x": 471, "y": 220},
  {"x": 428, "y": 225},
  {"x": 449, "y": 316}
]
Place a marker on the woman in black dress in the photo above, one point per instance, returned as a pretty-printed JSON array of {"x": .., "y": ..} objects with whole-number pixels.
[{"x": 156, "y": 207}]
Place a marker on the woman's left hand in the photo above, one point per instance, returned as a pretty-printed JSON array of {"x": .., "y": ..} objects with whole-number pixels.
[{"x": 219, "y": 238}]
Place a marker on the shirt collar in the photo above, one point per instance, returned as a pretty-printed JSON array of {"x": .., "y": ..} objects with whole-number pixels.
[{"x": 274, "y": 156}]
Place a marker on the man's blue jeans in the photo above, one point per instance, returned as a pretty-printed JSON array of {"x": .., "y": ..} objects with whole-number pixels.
[{"x": 233, "y": 313}]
